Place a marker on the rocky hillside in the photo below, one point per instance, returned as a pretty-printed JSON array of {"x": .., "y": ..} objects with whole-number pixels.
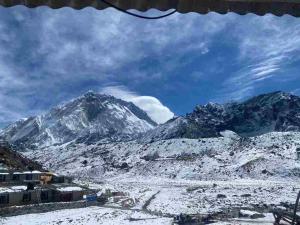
[
  {"x": 89, "y": 118},
  {"x": 95, "y": 117},
  {"x": 98, "y": 136},
  {"x": 10, "y": 159},
  {"x": 269, "y": 156},
  {"x": 276, "y": 111}
]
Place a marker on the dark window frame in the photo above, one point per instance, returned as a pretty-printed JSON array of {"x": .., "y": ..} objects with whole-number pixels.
[
  {"x": 2, "y": 177},
  {"x": 44, "y": 195},
  {"x": 29, "y": 176},
  {"x": 16, "y": 177},
  {"x": 26, "y": 197},
  {"x": 4, "y": 199},
  {"x": 66, "y": 196}
]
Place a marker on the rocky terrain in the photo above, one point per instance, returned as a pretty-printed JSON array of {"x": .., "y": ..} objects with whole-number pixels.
[
  {"x": 91, "y": 117},
  {"x": 12, "y": 160},
  {"x": 236, "y": 160},
  {"x": 97, "y": 136},
  {"x": 96, "y": 117},
  {"x": 269, "y": 156},
  {"x": 265, "y": 113}
]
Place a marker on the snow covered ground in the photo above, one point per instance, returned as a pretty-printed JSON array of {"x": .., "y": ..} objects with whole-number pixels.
[
  {"x": 156, "y": 200},
  {"x": 105, "y": 216},
  {"x": 271, "y": 156},
  {"x": 165, "y": 178},
  {"x": 171, "y": 197},
  {"x": 87, "y": 216}
]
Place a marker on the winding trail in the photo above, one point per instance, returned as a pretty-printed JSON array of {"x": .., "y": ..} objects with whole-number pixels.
[{"x": 147, "y": 203}]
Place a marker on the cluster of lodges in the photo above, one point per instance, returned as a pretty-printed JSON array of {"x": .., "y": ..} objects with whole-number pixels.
[{"x": 35, "y": 187}]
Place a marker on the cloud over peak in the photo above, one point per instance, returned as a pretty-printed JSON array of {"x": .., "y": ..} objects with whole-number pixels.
[{"x": 151, "y": 105}]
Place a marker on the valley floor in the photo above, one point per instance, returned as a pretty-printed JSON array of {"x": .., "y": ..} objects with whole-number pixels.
[
  {"x": 98, "y": 215},
  {"x": 172, "y": 197},
  {"x": 142, "y": 201}
]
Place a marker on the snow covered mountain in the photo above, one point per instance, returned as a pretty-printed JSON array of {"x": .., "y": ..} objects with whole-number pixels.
[
  {"x": 98, "y": 136},
  {"x": 89, "y": 118},
  {"x": 269, "y": 156},
  {"x": 96, "y": 117},
  {"x": 277, "y": 111}
]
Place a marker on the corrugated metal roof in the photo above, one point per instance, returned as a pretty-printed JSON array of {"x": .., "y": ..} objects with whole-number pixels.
[{"x": 259, "y": 7}]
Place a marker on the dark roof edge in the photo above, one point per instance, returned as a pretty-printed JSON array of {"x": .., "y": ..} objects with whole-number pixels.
[{"x": 242, "y": 7}]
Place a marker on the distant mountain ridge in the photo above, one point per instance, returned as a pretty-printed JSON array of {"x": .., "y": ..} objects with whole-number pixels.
[
  {"x": 85, "y": 119},
  {"x": 98, "y": 136},
  {"x": 95, "y": 117},
  {"x": 277, "y": 111}
]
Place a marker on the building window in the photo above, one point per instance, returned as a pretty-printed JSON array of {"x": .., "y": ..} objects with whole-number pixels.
[
  {"x": 61, "y": 180},
  {"x": 66, "y": 197},
  {"x": 28, "y": 177},
  {"x": 4, "y": 199},
  {"x": 44, "y": 196},
  {"x": 27, "y": 197},
  {"x": 2, "y": 178},
  {"x": 16, "y": 177}
]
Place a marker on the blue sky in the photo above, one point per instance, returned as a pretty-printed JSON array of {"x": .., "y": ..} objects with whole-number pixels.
[{"x": 50, "y": 56}]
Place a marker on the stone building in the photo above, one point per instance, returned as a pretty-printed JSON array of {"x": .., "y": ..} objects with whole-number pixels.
[{"x": 35, "y": 187}]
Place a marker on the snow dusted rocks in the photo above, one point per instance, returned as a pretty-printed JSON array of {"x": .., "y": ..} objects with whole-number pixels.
[
  {"x": 95, "y": 117},
  {"x": 217, "y": 159},
  {"x": 230, "y": 134},
  {"x": 265, "y": 113},
  {"x": 89, "y": 118},
  {"x": 269, "y": 156},
  {"x": 98, "y": 136}
]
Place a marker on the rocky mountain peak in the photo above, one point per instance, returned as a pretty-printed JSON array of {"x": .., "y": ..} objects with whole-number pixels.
[
  {"x": 90, "y": 117},
  {"x": 276, "y": 111}
]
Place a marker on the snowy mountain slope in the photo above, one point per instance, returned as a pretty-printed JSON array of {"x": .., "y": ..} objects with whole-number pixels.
[
  {"x": 269, "y": 156},
  {"x": 91, "y": 117},
  {"x": 276, "y": 111},
  {"x": 97, "y": 136}
]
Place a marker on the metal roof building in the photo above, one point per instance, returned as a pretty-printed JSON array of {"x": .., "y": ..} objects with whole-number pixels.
[{"x": 259, "y": 7}]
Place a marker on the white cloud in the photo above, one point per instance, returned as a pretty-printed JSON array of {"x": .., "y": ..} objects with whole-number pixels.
[
  {"x": 151, "y": 105},
  {"x": 267, "y": 45},
  {"x": 72, "y": 51}
]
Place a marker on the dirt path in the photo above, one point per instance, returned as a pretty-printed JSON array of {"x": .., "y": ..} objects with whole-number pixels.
[{"x": 147, "y": 203}]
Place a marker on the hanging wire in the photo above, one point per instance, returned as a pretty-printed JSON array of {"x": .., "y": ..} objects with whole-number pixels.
[{"x": 137, "y": 15}]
